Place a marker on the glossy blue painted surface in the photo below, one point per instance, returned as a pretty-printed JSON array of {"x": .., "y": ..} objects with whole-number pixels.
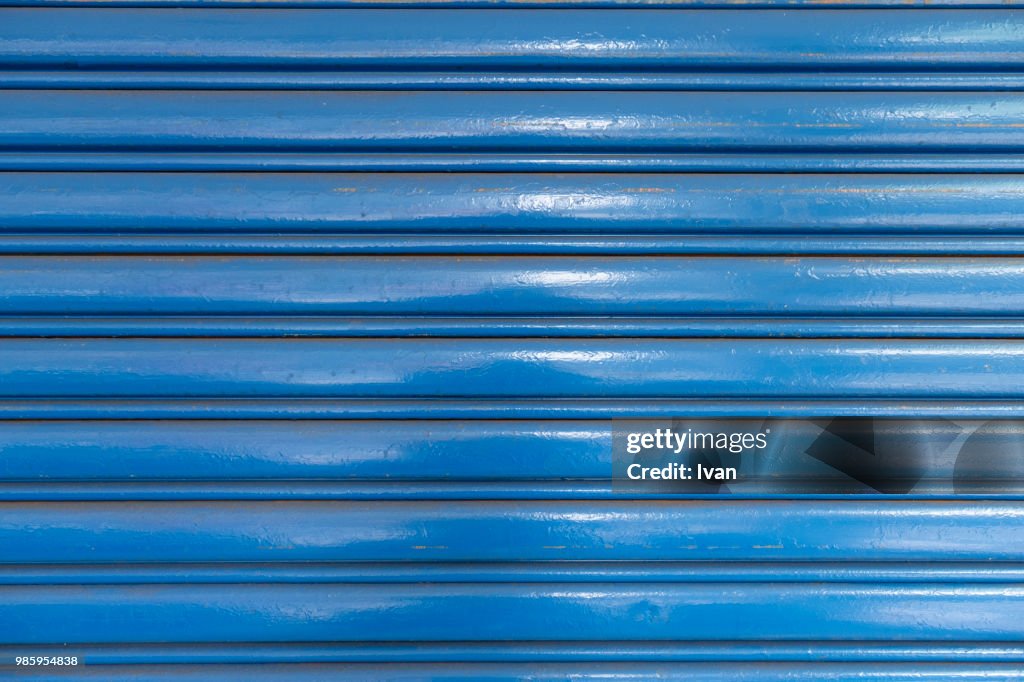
[
  {"x": 547, "y": 672},
  {"x": 286, "y": 406},
  {"x": 407, "y": 460},
  {"x": 514, "y": 327},
  {"x": 533, "y": 121},
  {"x": 508, "y": 80},
  {"x": 397, "y": 489},
  {"x": 865, "y": 654},
  {"x": 467, "y": 40},
  {"x": 517, "y": 244},
  {"x": 518, "y": 408},
  {"x": 511, "y": 368},
  {"x": 528, "y": 530},
  {"x": 527, "y": 572},
  {"x": 503, "y": 4},
  {"x": 854, "y": 161},
  {"x": 409, "y": 450},
  {"x": 453, "y": 286},
  {"x": 836, "y": 207},
  {"x": 276, "y": 613}
]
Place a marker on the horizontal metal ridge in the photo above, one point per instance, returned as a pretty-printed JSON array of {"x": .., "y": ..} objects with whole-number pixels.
[
  {"x": 835, "y": 161},
  {"x": 507, "y": 80},
  {"x": 544, "y": 672},
  {"x": 453, "y": 652},
  {"x": 290, "y": 449},
  {"x": 39, "y": 243},
  {"x": 363, "y": 612},
  {"x": 25, "y": 491},
  {"x": 521, "y": 122},
  {"x": 512, "y": 368},
  {"x": 504, "y": 4},
  {"x": 236, "y": 653},
  {"x": 468, "y": 40},
  {"x": 21, "y": 409},
  {"x": 706, "y": 286},
  {"x": 989, "y": 487},
  {"x": 417, "y": 459},
  {"x": 525, "y": 530},
  {"x": 836, "y": 207},
  {"x": 629, "y": 572},
  {"x": 248, "y": 326}
]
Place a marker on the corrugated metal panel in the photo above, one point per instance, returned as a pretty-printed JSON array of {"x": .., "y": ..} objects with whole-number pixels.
[{"x": 313, "y": 322}]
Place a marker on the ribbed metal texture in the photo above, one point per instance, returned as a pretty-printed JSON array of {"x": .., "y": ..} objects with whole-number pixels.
[{"x": 313, "y": 321}]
